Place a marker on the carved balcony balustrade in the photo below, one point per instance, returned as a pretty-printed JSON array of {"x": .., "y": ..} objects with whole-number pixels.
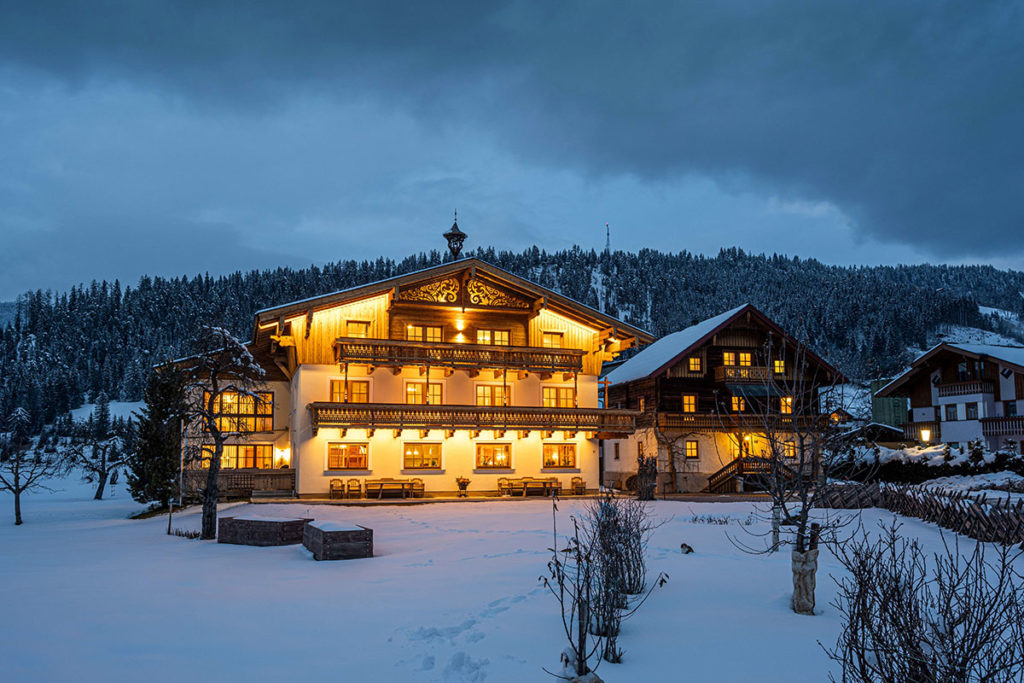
[
  {"x": 600, "y": 422},
  {"x": 396, "y": 354}
]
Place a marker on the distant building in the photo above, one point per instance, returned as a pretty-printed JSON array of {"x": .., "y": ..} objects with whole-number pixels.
[
  {"x": 706, "y": 390},
  {"x": 963, "y": 392}
]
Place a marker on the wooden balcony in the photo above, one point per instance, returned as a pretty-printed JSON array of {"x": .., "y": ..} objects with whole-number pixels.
[
  {"x": 912, "y": 431},
  {"x": 393, "y": 353},
  {"x": 602, "y": 423},
  {"x": 1002, "y": 426},
  {"x": 745, "y": 373},
  {"x": 732, "y": 422},
  {"x": 965, "y": 388},
  {"x": 241, "y": 482}
]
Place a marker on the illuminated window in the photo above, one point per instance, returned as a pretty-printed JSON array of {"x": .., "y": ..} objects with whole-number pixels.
[
  {"x": 357, "y": 328},
  {"x": 695, "y": 364},
  {"x": 245, "y": 456},
  {"x": 786, "y": 405},
  {"x": 415, "y": 393},
  {"x": 494, "y": 337},
  {"x": 559, "y": 455},
  {"x": 739, "y": 404},
  {"x": 244, "y": 412},
  {"x": 358, "y": 391},
  {"x": 490, "y": 395},
  {"x": 691, "y": 449},
  {"x": 559, "y": 397},
  {"x": 427, "y": 333},
  {"x": 745, "y": 359},
  {"x": 789, "y": 449},
  {"x": 422, "y": 456},
  {"x": 729, "y": 358},
  {"x": 493, "y": 456},
  {"x": 347, "y": 456},
  {"x": 689, "y": 403},
  {"x": 779, "y": 366},
  {"x": 552, "y": 340}
]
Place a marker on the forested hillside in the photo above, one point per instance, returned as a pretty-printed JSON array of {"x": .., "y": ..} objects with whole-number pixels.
[{"x": 63, "y": 347}]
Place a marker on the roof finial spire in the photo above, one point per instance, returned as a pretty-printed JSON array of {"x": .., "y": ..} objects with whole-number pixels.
[{"x": 455, "y": 237}]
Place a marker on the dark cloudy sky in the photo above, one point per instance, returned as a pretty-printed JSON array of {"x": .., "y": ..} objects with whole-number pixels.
[{"x": 183, "y": 137}]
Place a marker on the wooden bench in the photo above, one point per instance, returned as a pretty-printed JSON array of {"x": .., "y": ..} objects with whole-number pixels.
[
  {"x": 380, "y": 487},
  {"x": 526, "y": 486}
]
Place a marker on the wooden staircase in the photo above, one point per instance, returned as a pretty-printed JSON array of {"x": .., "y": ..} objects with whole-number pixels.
[{"x": 752, "y": 469}]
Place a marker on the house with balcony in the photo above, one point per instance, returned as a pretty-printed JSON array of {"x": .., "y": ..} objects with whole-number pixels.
[
  {"x": 461, "y": 370},
  {"x": 964, "y": 392},
  {"x": 714, "y": 398}
]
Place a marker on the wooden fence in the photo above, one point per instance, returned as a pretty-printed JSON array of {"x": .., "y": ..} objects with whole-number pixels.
[{"x": 979, "y": 516}]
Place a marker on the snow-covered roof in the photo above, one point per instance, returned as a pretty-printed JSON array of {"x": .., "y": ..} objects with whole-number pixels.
[
  {"x": 661, "y": 352},
  {"x": 1013, "y": 355}
]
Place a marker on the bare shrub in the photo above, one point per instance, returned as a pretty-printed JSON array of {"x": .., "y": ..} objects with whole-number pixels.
[{"x": 907, "y": 617}]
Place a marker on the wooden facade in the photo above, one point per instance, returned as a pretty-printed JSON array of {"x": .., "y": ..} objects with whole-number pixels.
[
  {"x": 714, "y": 395},
  {"x": 964, "y": 392},
  {"x": 462, "y": 361}
]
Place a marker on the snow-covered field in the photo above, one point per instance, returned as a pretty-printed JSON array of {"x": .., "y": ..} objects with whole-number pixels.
[{"x": 452, "y": 595}]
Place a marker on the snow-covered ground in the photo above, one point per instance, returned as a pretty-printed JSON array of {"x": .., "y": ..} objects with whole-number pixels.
[
  {"x": 122, "y": 409},
  {"x": 451, "y": 595}
]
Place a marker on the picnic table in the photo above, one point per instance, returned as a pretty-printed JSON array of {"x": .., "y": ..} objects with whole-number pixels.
[{"x": 403, "y": 487}]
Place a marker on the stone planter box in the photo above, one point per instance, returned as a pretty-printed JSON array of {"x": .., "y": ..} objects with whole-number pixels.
[
  {"x": 261, "y": 531},
  {"x": 333, "y": 541}
]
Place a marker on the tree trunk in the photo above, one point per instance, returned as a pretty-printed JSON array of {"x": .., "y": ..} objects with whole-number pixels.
[
  {"x": 805, "y": 566},
  {"x": 170, "y": 514},
  {"x": 211, "y": 494},
  {"x": 102, "y": 486},
  {"x": 17, "y": 507},
  {"x": 776, "y": 523}
]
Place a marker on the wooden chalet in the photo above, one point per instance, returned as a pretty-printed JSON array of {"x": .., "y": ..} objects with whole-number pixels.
[
  {"x": 462, "y": 370},
  {"x": 710, "y": 396},
  {"x": 964, "y": 392}
]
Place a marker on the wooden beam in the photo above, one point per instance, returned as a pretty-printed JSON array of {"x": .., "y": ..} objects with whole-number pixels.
[
  {"x": 474, "y": 433},
  {"x": 449, "y": 433},
  {"x": 370, "y": 431},
  {"x": 591, "y": 435},
  {"x": 524, "y": 433},
  {"x": 342, "y": 431},
  {"x": 545, "y": 376},
  {"x": 396, "y": 433},
  {"x": 499, "y": 433},
  {"x": 522, "y": 374},
  {"x": 424, "y": 433},
  {"x": 566, "y": 376},
  {"x": 569, "y": 434},
  {"x": 547, "y": 434},
  {"x": 473, "y": 372}
]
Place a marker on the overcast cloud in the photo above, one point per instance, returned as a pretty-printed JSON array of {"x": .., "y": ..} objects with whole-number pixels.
[{"x": 175, "y": 138}]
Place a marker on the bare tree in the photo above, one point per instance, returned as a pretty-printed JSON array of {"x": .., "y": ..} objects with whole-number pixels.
[
  {"x": 788, "y": 451},
  {"x": 24, "y": 464},
  {"x": 222, "y": 369},
  {"x": 673, "y": 443},
  {"x": 958, "y": 617},
  {"x": 99, "y": 447}
]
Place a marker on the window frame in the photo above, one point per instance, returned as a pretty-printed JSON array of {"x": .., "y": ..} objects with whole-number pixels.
[
  {"x": 972, "y": 407},
  {"x": 689, "y": 403},
  {"x": 341, "y": 380},
  {"x": 544, "y": 456},
  {"x": 951, "y": 409},
  {"x": 440, "y": 456},
  {"x": 492, "y": 333},
  {"x": 779, "y": 366},
  {"x": 558, "y": 396},
  {"x": 350, "y": 323},
  {"x": 490, "y": 444},
  {"x": 423, "y": 333},
  {"x": 259, "y": 419},
  {"x": 505, "y": 390},
  {"x": 423, "y": 383},
  {"x": 746, "y": 359},
  {"x": 695, "y": 364},
  {"x": 346, "y": 444},
  {"x": 553, "y": 334},
  {"x": 234, "y": 448},
  {"x": 696, "y": 449},
  {"x": 739, "y": 404},
  {"x": 786, "y": 405}
]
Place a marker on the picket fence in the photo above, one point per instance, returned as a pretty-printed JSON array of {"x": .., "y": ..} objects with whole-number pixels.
[{"x": 983, "y": 517}]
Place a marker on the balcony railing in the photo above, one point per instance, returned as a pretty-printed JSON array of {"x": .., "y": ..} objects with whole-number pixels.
[
  {"x": 451, "y": 417},
  {"x": 964, "y": 388},
  {"x": 914, "y": 431},
  {"x": 746, "y": 373},
  {"x": 735, "y": 421},
  {"x": 243, "y": 482},
  {"x": 1002, "y": 426},
  {"x": 387, "y": 352}
]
